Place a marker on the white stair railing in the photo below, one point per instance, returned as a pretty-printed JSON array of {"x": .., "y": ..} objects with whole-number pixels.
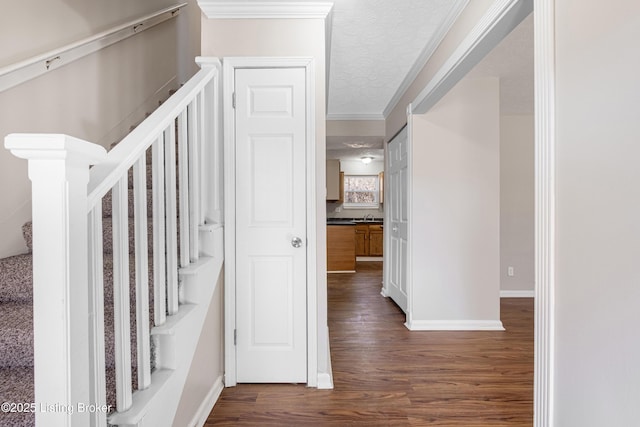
[{"x": 68, "y": 226}]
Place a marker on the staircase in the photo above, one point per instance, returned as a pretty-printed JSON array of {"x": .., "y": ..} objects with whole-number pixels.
[{"x": 148, "y": 215}]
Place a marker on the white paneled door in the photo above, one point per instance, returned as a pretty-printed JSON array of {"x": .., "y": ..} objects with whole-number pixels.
[
  {"x": 396, "y": 221},
  {"x": 271, "y": 300}
]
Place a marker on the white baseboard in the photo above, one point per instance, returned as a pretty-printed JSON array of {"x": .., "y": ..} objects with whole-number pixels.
[
  {"x": 369, "y": 258},
  {"x": 516, "y": 294},
  {"x": 454, "y": 325},
  {"x": 325, "y": 379},
  {"x": 201, "y": 415}
]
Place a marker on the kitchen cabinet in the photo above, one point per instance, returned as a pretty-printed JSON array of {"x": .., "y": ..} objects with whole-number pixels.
[
  {"x": 375, "y": 240},
  {"x": 369, "y": 240},
  {"x": 341, "y": 248},
  {"x": 362, "y": 238},
  {"x": 333, "y": 180}
]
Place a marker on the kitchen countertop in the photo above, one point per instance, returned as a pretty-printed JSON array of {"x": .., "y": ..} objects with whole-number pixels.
[{"x": 353, "y": 221}]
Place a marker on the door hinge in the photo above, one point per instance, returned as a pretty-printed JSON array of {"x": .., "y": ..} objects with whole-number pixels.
[
  {"x": 233, "y": 100},
  {"x": 235, "y": 337}
]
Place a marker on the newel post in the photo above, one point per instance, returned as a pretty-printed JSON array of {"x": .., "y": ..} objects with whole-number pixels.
[{"x": 59, "y": 172}]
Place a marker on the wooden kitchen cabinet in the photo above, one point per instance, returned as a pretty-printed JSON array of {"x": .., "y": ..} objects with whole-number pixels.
[
  {"x": 341, "y": 254},
  {"x": 375, "y": 240},
  {"x": 362, "y": 240},
  {"x": 369, "y": 240}
]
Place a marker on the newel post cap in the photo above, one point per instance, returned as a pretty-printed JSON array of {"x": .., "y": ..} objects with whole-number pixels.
[{"x": 53, "y": 146}]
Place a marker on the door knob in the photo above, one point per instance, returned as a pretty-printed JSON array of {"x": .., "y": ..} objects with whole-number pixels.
[
  {"x": 296, "y": 242},
  {"x": 394, "y": 229}
]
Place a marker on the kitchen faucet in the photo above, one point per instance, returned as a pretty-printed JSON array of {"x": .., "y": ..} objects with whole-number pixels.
[{"x": 368, "y": 217}]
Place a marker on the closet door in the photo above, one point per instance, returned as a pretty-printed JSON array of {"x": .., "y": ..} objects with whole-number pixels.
[{"x": 396, "y": 224}]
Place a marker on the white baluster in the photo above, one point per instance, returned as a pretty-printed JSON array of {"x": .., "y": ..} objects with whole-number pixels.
[
  {"x": 96, "y": 316},
  {"x": 121, "y": 301},
  {"x": 171, "y": 212},
  {"x": 142, "y": 272},
  {"x": 184, "y": 161},
  {"x": 159, "y": 257},
  {"x": 195, "y": 136}
]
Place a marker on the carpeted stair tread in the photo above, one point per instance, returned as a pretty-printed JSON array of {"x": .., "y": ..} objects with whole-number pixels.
[
  {"x": 16, "y": 335},
  {"x": 107, "y": 204},
  {"x": 107, "y": 235},
  {"x": 16, "y": 385},
  {"x": 16, "y": 279}
]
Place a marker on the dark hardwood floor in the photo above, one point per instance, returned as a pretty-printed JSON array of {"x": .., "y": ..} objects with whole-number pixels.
[{"x": 385, "y": 375}]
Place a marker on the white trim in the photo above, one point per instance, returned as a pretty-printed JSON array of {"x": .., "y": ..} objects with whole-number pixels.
[
  {"x": 363, "y": 116},
  {"x": 370, "y": 258},
  {"x": 517, "y": 294},
  {"x": 409, "y": 260},
  {"x": 18, "y": 73},
  {"x": 325, "y": 379},
  {"x": 502, "y": 17},
  {"x": 229, "y": 66},
  {"x": 545, "y": 197},
  {"x": 200, "y": 417},
  {"x": 425, "y": 54},
  {"x": 215, "y": 9},
  {"x": 455, "y": 325}
]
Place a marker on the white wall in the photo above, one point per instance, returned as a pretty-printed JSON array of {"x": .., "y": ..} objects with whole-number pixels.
[
  {"x": 455, "y": 208},
  {"x": 96, "y": 98},
  {"x": 597, "y": 282},
  {"x": 517, "y": 203}
]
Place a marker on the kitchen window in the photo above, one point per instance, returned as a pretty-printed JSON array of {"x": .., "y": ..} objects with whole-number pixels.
[{"x": 361, "y": 191}]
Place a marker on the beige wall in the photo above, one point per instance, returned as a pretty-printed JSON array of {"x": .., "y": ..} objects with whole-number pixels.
[
  {"x": 207, "y": 366},
  {"x": 597, "y": 281},
  {"x": 33, "y": 27},
  {"x": 455, "y": 206},
  {"x": 460, "y": 29},
  {"x": 286, "y": 38},
  {"x": 355, "y": 127},
  {"x": 95, "y": 98},
  {"x": 517, "y": 202}
]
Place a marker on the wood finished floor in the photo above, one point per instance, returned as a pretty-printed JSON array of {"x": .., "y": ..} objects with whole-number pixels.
[{"x": 385, "y": 375}]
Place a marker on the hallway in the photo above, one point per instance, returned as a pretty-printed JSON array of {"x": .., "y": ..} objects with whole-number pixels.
[{"x": 385, "y": 375}]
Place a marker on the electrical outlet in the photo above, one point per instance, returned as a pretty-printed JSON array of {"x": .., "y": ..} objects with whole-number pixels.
[{"x": 510, "y": 271}]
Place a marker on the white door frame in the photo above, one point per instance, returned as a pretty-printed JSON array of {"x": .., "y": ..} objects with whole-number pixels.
[{"x": 229, "y": 66}]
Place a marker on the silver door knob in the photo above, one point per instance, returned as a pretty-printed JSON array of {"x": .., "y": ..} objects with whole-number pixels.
[
  {"x": 394, "y": 229},
  {"x": 296, "y": 242}
]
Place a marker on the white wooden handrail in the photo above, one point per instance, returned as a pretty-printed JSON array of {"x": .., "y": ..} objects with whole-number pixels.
[
  {"x": 68, "y": 224},
  {"x": 122, "y": 157}
]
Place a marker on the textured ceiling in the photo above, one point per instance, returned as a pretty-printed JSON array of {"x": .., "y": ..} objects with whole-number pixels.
[{"x": 375, "y": 44}]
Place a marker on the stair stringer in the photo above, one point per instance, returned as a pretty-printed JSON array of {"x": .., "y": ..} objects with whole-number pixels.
[{"x": 177, "y": 341}]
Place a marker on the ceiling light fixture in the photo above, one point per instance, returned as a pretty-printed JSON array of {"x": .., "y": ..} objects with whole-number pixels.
[{"x": 366, "y": 160}]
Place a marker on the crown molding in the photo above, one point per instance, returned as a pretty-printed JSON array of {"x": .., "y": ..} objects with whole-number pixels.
[
  {"x": 425, "y": 54},
  {"x": 215, "y": 9}
]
